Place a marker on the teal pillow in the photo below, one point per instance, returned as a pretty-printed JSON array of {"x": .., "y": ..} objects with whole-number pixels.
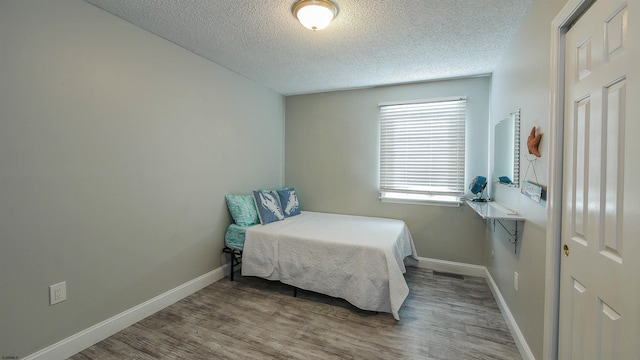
[{"x": 242, "y": 209}]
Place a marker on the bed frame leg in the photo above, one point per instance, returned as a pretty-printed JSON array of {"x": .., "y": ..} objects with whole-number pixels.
[{"x": 235, "y": 259}]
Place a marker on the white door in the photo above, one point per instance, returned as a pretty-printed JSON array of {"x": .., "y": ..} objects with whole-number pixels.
[{"x": 600, "y": 271}]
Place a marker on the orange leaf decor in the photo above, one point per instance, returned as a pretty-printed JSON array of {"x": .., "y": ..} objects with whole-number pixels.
[{"x": 533, "y": 141}]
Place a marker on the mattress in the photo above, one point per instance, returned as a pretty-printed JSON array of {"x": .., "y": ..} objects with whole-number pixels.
[{"x": 356, "y": 258}]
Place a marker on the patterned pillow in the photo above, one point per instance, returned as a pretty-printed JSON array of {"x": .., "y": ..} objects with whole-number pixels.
[
  {"x": 268, "y": 204},
  {"x": 289, "y": 202},
  {"x": 243, "y": 209}
]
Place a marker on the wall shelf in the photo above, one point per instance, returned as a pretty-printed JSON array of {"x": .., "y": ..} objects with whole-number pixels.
[{"x": 496, "y": 212}]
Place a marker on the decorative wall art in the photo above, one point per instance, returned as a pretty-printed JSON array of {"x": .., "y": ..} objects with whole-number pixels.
[
  {"x": 533, "y": 141},
  {"x": 530, "y": 189}
]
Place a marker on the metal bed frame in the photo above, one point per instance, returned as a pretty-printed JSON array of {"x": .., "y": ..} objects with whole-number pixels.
[{"x": 236, "y": 259}]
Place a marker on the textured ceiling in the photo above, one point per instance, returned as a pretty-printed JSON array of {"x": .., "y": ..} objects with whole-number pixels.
[{"x": 369, "y": 43}]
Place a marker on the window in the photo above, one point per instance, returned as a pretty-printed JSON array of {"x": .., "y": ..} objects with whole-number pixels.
[{"x": 422, "y": 151}]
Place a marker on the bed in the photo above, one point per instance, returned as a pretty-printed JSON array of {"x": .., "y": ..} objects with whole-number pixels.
[{"x": 357, "y": 258}]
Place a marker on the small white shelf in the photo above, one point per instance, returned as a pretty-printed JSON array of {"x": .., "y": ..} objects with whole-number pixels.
[{"x": 491, "y": 210}]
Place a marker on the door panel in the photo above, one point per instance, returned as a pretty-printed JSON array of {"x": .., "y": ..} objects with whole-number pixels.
[
  {"x": 607, "y": 329},
  {"x": 577, "y": 324},
  {"x": 600, "y": 285},
  {"x": 614, "y": 116}
]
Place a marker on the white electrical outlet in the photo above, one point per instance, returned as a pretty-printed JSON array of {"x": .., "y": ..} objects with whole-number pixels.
[
  {"x": 57, "y": 293},
  {"x": 516, "y": 279}
]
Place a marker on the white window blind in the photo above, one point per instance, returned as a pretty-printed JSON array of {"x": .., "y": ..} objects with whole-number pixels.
[{"x": 422, "y": 149}]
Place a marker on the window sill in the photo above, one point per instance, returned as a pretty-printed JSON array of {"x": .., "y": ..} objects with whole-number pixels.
[{"x": 421, "y": 199}]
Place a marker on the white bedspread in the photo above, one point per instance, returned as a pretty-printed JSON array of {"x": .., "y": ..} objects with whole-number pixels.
[{"x": 356, "y": 258}]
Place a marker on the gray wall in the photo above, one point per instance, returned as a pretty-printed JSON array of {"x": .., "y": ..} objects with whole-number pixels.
[
  {"x": 521, "y": 81},
  {"x": 332, "y": 153},
  {"x": 116, "y": 150}
]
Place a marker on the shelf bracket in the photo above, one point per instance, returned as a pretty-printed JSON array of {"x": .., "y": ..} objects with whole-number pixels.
[
  {"x": 513, "y": 235},
  {"x": 494, "y": 212}
]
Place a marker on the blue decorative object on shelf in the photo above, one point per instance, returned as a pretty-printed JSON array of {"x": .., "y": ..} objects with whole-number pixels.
[
  {"x": 504, "y": 180},
  {"x": 477, "y": 187}
]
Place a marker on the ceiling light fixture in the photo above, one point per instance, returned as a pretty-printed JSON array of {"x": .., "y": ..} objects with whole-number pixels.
[{"x": 315, "y": 14}]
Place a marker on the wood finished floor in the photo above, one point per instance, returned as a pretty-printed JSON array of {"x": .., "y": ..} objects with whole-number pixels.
[{"x": 252, "y": 318}]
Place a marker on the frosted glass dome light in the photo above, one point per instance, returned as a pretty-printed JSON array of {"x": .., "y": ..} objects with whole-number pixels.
[{"x": 315, "y": 14}]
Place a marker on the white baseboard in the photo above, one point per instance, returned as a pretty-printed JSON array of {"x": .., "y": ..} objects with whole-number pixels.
[
  {"x": 96, "y": 333},
  {"x": 518, "y": 337},
  {"x": 451, "y": 267}
]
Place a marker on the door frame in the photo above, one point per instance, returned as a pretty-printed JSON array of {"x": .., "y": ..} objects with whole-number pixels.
[{"x": 572, "y": 10}]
